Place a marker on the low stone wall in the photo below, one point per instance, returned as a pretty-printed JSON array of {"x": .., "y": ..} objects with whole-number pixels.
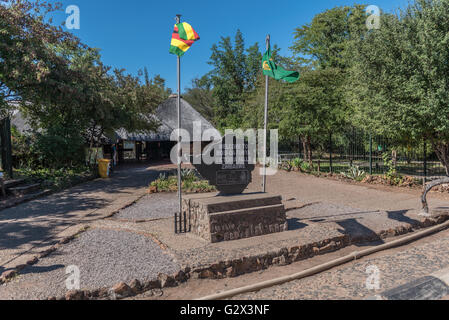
[{"x": 216, "y": 219}]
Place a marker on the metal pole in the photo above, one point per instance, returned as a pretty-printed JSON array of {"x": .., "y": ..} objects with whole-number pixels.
[
  {"x": 370, "y": 154},
  {"x": 331, "y": 169},
  {"x": 178, "y": 20},
  {"x": 266, "y": 126}
]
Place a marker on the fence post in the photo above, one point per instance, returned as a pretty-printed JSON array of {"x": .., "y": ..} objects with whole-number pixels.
[
  {"x": 331, "y": 169},
  {"x": 370, "y": 154}
]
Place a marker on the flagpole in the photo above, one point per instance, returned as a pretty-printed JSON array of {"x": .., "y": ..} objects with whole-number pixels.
[
  {"x": 178, "y": 20},
  {"x": 265, "y": 127}
]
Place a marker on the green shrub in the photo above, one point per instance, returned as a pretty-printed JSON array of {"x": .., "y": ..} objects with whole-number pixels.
[
  {"x": 354, "y": 173},
  {"x": 190, "y": 182},
  {"x": 392, "y": 175}
]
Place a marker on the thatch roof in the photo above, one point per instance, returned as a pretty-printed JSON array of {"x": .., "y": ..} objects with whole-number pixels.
[{"x": 167, "y": 115}]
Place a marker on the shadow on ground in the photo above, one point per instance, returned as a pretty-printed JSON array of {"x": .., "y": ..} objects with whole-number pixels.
[{"x": 33, "y": 223}]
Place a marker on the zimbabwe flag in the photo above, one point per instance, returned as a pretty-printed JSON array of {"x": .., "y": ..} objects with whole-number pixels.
[{"x": 183, "y": 38}]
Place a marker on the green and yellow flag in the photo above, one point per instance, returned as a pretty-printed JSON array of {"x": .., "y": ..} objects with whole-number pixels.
[
  {"x": 272, "y": 70},
  {"x": 183, "y": 38}
]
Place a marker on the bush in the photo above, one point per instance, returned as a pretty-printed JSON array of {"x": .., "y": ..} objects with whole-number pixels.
[
  {"x": 354, "y": 173},
  {"x": 190, "y": 183},
  {"x": 57, "y": 179}
]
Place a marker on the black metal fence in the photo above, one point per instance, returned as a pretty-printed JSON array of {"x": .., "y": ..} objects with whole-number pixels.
[{"x": 338, "y": 152}]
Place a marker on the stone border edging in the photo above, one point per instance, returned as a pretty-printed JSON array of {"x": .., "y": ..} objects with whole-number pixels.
[
  {"x": 16, "y": 201},
  {"x": 241, "y": 266},
  {"x": 12, "y": 273}
]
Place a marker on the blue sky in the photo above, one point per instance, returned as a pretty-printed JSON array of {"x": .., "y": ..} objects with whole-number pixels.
[{"x": 133, "y": 34}]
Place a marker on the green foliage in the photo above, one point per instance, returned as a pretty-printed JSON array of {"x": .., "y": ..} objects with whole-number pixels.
[
  {"x": 57, "y": 179},
  {"x": 190, "y": 183},
  {"x": 323, "y": 43},
  {"x": 68, "y": 94},
  {"x": 399, "y": 83},
  {"x": 392, "y": 175}
]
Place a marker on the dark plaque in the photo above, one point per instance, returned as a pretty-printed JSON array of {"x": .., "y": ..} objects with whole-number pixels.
[{"x": 231, "y": 172}]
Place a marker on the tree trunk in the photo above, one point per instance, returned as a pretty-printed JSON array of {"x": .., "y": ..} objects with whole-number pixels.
[
  {"x": 442, "y": 151},
  {"x": 309, "y": 144},
  {"x": 304, "y": 148}
]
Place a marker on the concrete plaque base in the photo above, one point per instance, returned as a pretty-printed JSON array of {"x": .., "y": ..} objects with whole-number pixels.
[{"x": 224, "y": 218}]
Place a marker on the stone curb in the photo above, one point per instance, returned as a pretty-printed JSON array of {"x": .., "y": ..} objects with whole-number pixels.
[
  {"x": 7, "y": 204},
  {"x": 14, "y": 272},
  {"x": 16, "y": 201},
  {"x": 237, "y": 267},
  {"x": 433, "y": 287}
]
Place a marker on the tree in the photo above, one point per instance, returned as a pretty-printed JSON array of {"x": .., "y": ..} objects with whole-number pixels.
[
  {"x": 400, "y": 80},
  {"x": 200, "y": 96},
  {"x": 324, "y": 42},
  {"x": 312, "y": 110},
  {"x": 233, "y": 76}
]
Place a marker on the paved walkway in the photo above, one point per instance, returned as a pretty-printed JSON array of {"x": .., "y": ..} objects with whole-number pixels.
[
  {"x": 308, "y": 190},
  {"x": 121, "y": 248},
  {"x": 34, "y": 226}
]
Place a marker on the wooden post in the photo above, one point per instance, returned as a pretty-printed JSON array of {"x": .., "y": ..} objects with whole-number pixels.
[{"x": 5, "y": 146}]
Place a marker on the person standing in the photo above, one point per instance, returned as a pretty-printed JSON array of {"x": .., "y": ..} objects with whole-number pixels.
[{"x": 114, "y": 155}]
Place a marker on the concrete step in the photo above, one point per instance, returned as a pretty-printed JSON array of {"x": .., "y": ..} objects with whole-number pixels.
[
  {"x": 24, "y": 190},
  {"x": 239, "y": 202},
  {"x": 14, "y": 183}
]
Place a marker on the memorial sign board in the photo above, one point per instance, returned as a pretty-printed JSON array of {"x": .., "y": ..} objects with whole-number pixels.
[{"x": 231, "y": 172}]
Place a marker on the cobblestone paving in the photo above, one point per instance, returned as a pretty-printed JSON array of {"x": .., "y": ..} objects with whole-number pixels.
[{"x": 349, "y": 281}]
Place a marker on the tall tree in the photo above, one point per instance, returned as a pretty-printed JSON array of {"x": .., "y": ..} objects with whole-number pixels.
[{"x": 400, "y": 82}]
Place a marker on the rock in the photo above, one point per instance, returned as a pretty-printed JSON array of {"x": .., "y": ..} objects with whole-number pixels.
[
  {"x": 166, "y": 281},
  {"x": 75, "y": 295},
  {"x": 230, "y": 272},
  {"x": 152, "y": 284},
  {"x": 46, "y": 253},
  {"x": 21, "y": 267},
  {"x": 316, "y": 250},
  {"x": 152, "y": 189},
  {"x": 207, "y": 274},
  {"x": 8, "y": 275},
  {"x": 136, "y": 286},
  {"x": 181, "y": 276},
  {"x": 122, "y": 289},
  {"x": 66, "y": 240},
  {"x": 101, "y": 293},
  {"x": 33, "y": 261},
  {"x": 283, "y": 261}
]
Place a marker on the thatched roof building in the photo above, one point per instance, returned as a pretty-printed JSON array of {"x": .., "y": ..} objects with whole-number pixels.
[
  {"x": 167, "y": 115},
  {"x": 143, "y": 145}
]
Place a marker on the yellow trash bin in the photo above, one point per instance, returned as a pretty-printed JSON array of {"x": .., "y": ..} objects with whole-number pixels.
[{"x": 103, "y": 168}]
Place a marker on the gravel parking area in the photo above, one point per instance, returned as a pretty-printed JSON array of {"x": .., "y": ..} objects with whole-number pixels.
[
  {"x": 104, "y": 258},
  {"x": 153, "y": 206}
]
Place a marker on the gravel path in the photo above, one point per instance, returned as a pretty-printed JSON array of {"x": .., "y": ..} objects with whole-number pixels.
[
  {"x": 153, "y": 206},
  {"x": 104, "y": 257}
]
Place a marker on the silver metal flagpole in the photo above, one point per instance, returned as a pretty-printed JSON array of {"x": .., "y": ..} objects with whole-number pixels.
[
  {"x": 178, "y": 20},
  {"x": 265, "y": 127}
]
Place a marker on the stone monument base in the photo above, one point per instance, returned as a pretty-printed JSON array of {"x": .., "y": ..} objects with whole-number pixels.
[{"x": 224, "y": 218}]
